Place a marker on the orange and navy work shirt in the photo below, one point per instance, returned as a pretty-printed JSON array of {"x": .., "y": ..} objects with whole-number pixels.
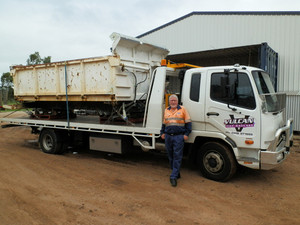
[{"x": 176, "y": 122}]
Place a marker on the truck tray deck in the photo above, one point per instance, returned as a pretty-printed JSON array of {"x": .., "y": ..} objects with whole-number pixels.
[{"x": 88, "y": 124}]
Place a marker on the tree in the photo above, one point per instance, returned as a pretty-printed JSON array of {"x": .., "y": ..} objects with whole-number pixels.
[
  {"x": 6, "y": 80},
  {"x": 47, "y": 59},
  {"x": 35, "y": 58},
  {"x": 6, "y": 87}
]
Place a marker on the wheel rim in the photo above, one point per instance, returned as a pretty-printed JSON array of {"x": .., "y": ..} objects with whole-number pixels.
[
  {"x": 48, "y": 142},
  {"x": 213, "y": 162}
]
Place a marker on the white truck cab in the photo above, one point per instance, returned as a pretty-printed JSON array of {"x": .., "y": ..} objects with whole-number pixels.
[
  {"x": 237, "y": 106},
  {"x": 236, "y": 117}
]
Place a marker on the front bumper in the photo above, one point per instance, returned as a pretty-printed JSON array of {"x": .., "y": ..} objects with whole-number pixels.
[
  {"x": 279, "y": 149},
  {"x": 270, "y": 160}
]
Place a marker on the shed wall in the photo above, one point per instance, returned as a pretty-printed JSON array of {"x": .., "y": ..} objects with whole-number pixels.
[{"x": 209, "y": 31}]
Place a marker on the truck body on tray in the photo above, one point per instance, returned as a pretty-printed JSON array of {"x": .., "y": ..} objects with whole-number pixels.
[{"x": 237, "y": 118}]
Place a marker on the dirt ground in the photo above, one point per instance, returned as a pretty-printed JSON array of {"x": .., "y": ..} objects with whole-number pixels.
[{"x": 97, "y": 188}]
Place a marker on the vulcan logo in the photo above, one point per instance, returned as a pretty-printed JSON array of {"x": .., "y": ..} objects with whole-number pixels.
[{"x": 239, "y": 123}]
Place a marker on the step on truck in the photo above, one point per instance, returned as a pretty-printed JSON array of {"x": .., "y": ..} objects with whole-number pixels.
[{"x": 117, "y": 101}]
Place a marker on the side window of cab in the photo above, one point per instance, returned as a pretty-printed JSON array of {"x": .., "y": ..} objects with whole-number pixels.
[
  {"x": 195, "y": 87},
  {"x": 233, "y": 88}
]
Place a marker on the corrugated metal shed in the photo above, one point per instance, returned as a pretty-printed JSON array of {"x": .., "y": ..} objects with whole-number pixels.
[
  {"x": 205, "y": 31},
  {"x": 293, "y": 109},
  {"x": 225, "y": 56},
  {"x": 260, "y": 56}
]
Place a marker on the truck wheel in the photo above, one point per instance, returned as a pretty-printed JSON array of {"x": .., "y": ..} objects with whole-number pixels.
[
  {"x": 50, "y": 141},
  {"x": 216, "y": 162}
]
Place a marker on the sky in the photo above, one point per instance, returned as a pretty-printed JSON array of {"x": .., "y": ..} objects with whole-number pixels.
[{"x": 74, "y": 29}]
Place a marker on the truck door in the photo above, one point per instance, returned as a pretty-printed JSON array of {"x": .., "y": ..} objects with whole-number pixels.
[
  {"x": 231, "y": 107},
  {"x": 193, "y": 97}
]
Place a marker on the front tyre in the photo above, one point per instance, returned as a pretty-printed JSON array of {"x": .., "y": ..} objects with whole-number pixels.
[
  {"x": 216, "y": 161},
  {"x": 51, "y": 141}
]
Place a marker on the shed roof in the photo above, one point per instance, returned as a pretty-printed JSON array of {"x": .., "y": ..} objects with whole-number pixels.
[
  {"x": 296, "y": 13},
  {"x": 245, "y": 55}
]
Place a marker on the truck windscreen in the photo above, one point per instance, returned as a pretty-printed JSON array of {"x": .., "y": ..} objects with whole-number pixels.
[
  {"x": 263, "y": 82},
  {"x": 272, "y": 102}
]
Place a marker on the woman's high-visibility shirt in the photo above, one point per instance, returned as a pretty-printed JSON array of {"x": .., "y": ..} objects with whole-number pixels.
[{"x": 176, "y": 121}]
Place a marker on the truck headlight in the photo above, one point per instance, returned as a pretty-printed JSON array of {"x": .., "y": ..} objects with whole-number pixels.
[{"x": 280, "y": 156}]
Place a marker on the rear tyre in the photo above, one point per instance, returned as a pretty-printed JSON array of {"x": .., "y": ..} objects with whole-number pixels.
[
  {"x": 216, "y": 162},
  {"x": 51, "y": 141}
]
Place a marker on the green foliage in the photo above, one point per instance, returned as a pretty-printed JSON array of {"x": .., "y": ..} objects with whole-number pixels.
[
  {"x": 6, "y": 80},
  {"x": 47, "y": 59},
  {"x": 35, "y": 58},
  {"x": 6, "y": 90}
]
